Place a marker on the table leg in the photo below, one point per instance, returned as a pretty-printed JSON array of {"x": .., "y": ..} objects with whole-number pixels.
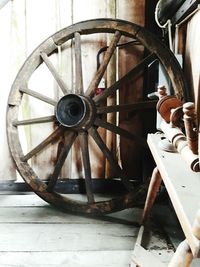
[
  {"x": 154, "y": 185},
  {"x": 183, "y": 256}
]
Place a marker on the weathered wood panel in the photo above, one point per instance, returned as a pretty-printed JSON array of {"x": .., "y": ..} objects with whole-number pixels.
[
  {"x": 66, "y": 237},
  {"x": 192, "y": 55},
  {"x": 117, "y": 258},
  {"x": 33, "y": 234},
  {"x": 192, "y": 65},
  {"x": 131, "y": 154},
  {"x": 19, "y": 19},
  {"x": 44, "y": 214},
  {"x": 90, "y": 9},
  {"x": 42, "y": 82},
  {"x": 111, "y": 76},
  {"x": 7, "y": 169}
]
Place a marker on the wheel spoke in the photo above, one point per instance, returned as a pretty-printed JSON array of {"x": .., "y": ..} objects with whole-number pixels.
[
  {"x": 54, "y": 72},
  {"x": 100, "y": 72},
  {"x": 107, "y": 153},
  {"x": 123, "y": 133},
  {"x": 39, "y": 96},
  {"x": 70, "y": 138},
  {"x": 134, "y": 106},
  {"x": 112, "y": 89},
  {"x": 35, "y": 120},
  {"x": 78, "y": 64},
  {"x": 43, "y": 144},
  {"x": 83, "y": 137}
]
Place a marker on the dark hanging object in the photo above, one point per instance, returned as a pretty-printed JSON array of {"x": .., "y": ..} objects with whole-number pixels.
[
  {"x": 174, "y": 10},
  {"x": 166, "y": 9}
]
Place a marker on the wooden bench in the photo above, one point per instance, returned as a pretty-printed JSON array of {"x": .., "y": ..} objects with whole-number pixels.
[{"x": 183, "y": 187}]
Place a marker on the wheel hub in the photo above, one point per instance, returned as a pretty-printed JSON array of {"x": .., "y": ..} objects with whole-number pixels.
[{"x": 74, "y": 111}]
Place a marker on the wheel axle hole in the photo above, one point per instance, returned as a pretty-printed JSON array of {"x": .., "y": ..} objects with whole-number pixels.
[
  {"x": 70, "y": 110},
  {"x": 73, "y": 110}
]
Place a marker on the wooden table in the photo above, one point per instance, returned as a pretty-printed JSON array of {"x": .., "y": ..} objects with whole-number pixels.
[{"x": 183, "y": 187}]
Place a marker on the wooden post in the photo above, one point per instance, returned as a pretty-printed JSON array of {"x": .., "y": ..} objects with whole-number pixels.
[{"x": 111, "y": 100}]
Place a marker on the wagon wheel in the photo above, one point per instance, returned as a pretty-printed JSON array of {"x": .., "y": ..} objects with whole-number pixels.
[{"x": 79, "y": 114}]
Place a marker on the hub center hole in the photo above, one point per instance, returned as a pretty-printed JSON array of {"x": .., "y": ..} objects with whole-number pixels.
[{"x": 73, "y": 109}]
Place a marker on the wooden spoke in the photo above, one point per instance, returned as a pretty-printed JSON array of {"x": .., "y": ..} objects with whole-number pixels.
[
  {"x": 78, "y": 64},
  {"x": 134, "y": 71},
  {"x": 83, "y": 137},
  {"x": 70, "y": 138},
  {"x": 55, "y": 135},
  {"x": 134, "y": 106},
  {"x": 100, "y": 72},
  {"x": 35, "y": 120},
  {"x": 123, "y": 133},
  {"x": 38, "y": 96},
  {"x": 113, "y": 163},
  {"x": 54, "y": 73}
]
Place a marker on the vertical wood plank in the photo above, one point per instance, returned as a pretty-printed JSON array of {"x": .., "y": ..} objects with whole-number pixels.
[
  {"x": 131, "y": 153},
  {"x": 37, "y": 31},
  {"x": 111, "y": 100},
  {"x": 90, "y": 9},
  {"x": 12, "y": 56},
  {"x": 64, "y": 18},
  {"x": 192, "y": 55}
]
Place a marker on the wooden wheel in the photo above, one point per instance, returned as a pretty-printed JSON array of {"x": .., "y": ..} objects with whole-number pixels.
[{"x": 79, "y": 114}]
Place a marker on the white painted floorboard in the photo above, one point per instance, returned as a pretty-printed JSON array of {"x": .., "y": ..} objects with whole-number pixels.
[
  {"x": 34, "y": 234},
  {"x": 68, "y": 259}
]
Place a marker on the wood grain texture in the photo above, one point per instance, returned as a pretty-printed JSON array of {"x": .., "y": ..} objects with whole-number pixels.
[
  {"x": 42, "y": 236},
  {"x": 144, "y": 258},
  {"x": 182, "y": 185},
  {"x": 66, "y": 237},
  {"x": 119, "y": 258},
  {"x": 192, "y": 66},
  {"x": 132, "y": 90}
]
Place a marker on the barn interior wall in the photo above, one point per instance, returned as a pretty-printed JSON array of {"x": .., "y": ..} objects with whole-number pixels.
[
  {"x": 192, "y": 61},
  {"x": 192, "y": 55},
  {"x": 26, "y": 24}
]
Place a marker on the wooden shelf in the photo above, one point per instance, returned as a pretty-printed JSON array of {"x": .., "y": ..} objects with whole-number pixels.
[{"x": 183, "y": 186}]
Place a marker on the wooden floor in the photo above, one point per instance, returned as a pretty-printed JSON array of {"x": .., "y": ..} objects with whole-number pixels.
[{"x": 34, "y": 234}]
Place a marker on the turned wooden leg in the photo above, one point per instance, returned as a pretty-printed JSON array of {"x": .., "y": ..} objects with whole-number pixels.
[
  {"x": 183, "y": 256},
  {"x": 180, "y": 256},
  {"x": 151, "y": 195},
  {"x": 189, "y": 118}
]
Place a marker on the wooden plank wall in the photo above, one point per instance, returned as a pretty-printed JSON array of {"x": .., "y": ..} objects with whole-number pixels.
[
  {"x": 26, "y": 24},
  {"x": 192, "y": 61},
  {"x": 192, "y": 55},
  {"x": 131, "y": 153},
  {"x": 7, "y": 170}
]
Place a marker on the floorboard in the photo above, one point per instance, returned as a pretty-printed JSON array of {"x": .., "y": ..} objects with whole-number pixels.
[
  {"x": 69, "y": 259},
  {"x": 35, "y": 234}
]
